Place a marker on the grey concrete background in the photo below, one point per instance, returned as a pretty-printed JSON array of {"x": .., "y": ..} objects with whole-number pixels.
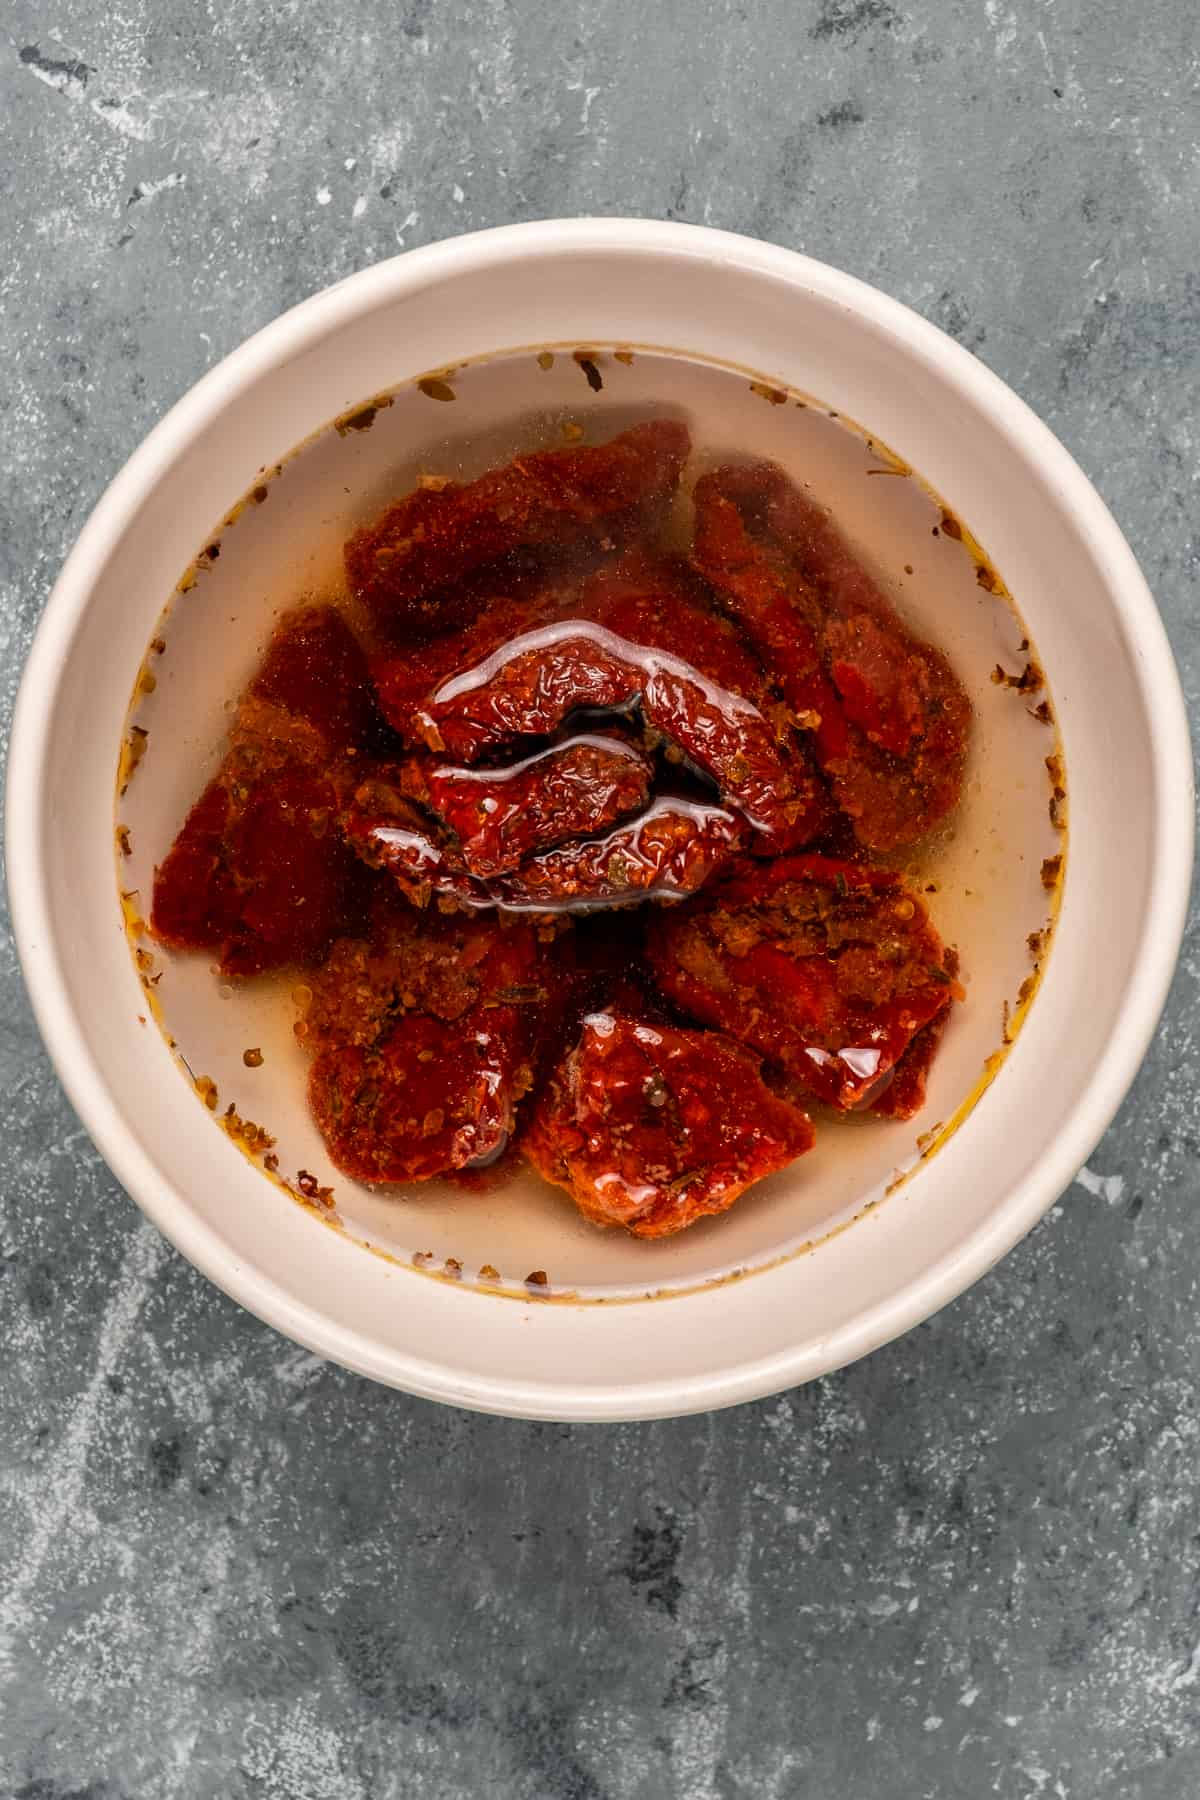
[{"x": 969, "y": 1566}]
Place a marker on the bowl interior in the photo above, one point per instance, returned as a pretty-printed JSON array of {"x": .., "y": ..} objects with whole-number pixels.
[
  {"x": 986, "y": 870},
  {"x": 1077, "y": 588}
]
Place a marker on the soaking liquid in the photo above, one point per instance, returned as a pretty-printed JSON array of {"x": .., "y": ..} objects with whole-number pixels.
[{"x": 989, "y": 875}]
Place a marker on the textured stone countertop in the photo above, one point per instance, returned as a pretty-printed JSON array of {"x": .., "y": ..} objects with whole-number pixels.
[{"x": 968, "y": 1566}]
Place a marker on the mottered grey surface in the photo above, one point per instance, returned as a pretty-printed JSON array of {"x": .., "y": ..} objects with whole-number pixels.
[{"x": 969, "y": 1566}]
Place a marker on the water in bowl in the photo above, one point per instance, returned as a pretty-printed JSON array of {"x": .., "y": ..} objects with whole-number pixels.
[{"x": 985, "y": 875}]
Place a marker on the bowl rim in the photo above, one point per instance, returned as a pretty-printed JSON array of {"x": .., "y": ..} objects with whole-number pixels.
[{"x": 1152, "y": 966}]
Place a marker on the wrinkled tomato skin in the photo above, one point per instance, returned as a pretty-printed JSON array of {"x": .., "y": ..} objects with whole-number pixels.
[
  {"x": 889, "y": 719},
  {"x": 828, "y": 969},
  {"x": 635, "y": 633},
  {"x": 405, "y": 564},
  {"x": 653, "y": 1127},
  {"x": 259, "y": 871},
  {"x": 426, "y": 1039},
  {"x": 500, "y": 816},
  {"x": 668, "y": 851}
]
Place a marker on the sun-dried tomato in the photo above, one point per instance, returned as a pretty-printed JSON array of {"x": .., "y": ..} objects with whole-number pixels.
[
  {"x": 669, "y": 850},
  {"x": 633, "y": 634},
  {"x": 827, "y": 968},
  {"x": 436, "y": 535},
  {"x": 259, "y": 871},
  {"x": 426, "y": 1038},
  {"x": 653, "y": 1127},
  {"x": 499, "y": 816},
  {"x": 889, "y": 718}
]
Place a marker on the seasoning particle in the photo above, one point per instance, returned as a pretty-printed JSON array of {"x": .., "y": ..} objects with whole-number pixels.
[
  {"x": 132, "y": 752},
  {"x": 587, "y": 362}
]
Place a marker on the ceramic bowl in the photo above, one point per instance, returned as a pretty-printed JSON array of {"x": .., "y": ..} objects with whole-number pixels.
[{"x": 833, "y": 1259}]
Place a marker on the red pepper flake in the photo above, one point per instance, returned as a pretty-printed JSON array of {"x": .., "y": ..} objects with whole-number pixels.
[
  {"x": 253, "y": 1059},
  {"x": 537, "y": 1278}
]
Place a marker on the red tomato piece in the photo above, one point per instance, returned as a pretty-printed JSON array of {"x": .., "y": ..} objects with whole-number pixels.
[
  {"x": 634, "y": 633},
  {"x": 652, "y": 1127},
  {"x": 500, "y": 816},
  {"x": 669, "y": 850},
  {"x": 259, "y": 872},
  {"x": 827, "y": 968},
  {"x": 889, "y": 718},
  {"x": 426, "y": 1038},
  {"x": 438, "y": 534}
]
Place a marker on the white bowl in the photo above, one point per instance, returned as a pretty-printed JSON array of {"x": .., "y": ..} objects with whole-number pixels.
[{"x": 1123, "y": 725}]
